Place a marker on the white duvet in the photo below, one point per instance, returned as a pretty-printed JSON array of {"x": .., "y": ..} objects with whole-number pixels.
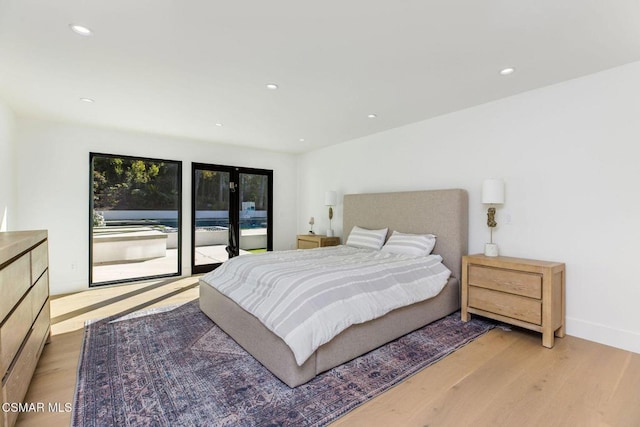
[{"x": 307, "y": 297}]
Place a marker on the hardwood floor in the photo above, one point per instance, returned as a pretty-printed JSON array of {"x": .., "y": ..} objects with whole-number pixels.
[{"x": 505, "y": 378}]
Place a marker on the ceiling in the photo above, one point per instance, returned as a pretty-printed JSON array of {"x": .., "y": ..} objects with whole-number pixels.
[{"x": 184, "y": 67}]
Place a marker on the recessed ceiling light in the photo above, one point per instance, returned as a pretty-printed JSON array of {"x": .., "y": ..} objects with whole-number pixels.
[
  {"x": 88, "y": 100},
  {"x": 507, "y": 71},
  {"x": 219, "y": 125},
  {"x": 301, "y": 140},
  {"x": 80, "y": 29},
  {"x": 372, "y": 116},
  {"x": 272, "y": 86}
]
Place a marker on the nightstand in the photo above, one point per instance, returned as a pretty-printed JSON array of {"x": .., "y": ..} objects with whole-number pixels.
[
  {"x": 310, "y": 241},
  {"x": 522, "y": 292}
]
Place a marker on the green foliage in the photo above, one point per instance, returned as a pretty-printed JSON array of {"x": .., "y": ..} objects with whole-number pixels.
[
  {"x": 212, "y": 190},
  {"x": 98, "y": 219},
  {"x": 123, "y": 183},
  {"x": 126, "y": 183}
]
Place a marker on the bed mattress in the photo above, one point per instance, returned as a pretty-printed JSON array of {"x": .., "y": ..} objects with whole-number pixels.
[{"x": 307, "y": 297}]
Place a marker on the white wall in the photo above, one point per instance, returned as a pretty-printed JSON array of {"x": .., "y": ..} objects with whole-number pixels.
[
  {"x": 568, "y": 155},
  {"x": 6, "y": 166},
  {"x": 52, "y": 178}
]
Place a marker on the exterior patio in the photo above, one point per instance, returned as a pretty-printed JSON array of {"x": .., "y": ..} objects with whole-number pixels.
[{"x": 141, "y": 251}]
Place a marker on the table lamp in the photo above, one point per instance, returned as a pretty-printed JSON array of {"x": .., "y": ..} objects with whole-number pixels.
[
  {"x": 330, "y": 199},
  {"x": 492, "y": 194}
]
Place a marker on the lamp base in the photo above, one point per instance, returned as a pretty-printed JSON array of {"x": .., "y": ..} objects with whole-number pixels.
[
  {"x": 490, "y": 249},
  {"x": 329, "y": 232}
]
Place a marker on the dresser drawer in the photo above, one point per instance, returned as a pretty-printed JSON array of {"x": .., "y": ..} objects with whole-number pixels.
[
  {"x": 17, "y": 325},
  {"x": 18, "y": 379},
  {"x": 39, "y": 260},
  {"x": 13, "y": 331},
  {"x": 510, "y": 305},
  {"x": 510, "y": 281},
  {"x": 39, "y": 294},
  {"x": 15, "y": 281}
]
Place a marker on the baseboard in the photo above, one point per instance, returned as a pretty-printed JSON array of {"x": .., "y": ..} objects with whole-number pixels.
[{"x": 620, "y": 338}]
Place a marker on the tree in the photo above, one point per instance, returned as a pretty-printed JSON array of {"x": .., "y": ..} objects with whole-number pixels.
[{"x": 129, "y": 183}]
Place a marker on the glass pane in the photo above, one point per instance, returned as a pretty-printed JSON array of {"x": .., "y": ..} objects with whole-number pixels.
[
  {"x": 212, "y": 216},
  {"x": 135, "y": 218},
  {"x": 254, "y": 208}
]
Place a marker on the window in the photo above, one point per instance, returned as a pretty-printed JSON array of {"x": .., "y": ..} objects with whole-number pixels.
[{"x": 135, "y": 218}]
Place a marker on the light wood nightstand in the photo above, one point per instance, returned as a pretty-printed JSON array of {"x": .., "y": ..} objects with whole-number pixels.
[
  {"x": 522, "y": 292},
  {"x": 310, "y": 241}
]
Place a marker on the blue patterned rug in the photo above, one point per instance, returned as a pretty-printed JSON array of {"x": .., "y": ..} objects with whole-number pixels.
[{"x": 177, "y": 368}]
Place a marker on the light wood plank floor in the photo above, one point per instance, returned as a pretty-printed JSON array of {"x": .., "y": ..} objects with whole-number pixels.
[{"x": 505, "y": 378}]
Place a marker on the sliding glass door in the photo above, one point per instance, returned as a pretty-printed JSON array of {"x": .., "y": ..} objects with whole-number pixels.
[
  {"x": 231, "y": 213},
  {"x": 134, "y": 217}
]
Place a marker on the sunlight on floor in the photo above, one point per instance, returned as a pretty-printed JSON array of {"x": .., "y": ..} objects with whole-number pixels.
[{"x": 70, "y": 312}]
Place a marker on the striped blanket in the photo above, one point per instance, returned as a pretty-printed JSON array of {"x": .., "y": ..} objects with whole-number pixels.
[{"x": 307, "y": 297}]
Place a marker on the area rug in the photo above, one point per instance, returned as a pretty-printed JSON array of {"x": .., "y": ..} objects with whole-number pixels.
[{"x": 177, "y": 368}]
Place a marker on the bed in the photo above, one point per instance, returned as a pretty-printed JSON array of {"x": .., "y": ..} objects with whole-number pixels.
[{"x": 441, "y": 212}]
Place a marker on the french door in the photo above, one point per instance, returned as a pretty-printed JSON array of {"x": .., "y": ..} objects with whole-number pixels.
[{"x": 231, "y": 213}]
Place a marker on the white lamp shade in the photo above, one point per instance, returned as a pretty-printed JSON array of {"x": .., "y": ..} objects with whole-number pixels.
[
  {"x": 493, "y": 191},
  {"x": 330, "y": 198}
]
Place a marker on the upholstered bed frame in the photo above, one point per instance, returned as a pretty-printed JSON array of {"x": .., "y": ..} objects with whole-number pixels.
[{"x": 441, "y": 212}]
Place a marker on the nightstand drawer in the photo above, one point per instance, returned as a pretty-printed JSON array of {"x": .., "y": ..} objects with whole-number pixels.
[
  {"x": 513, "y": 282},
  {"x": 307, "y": 244},
  {"x": 310, "y": 241},
  {"x": 513, "y": 306}
]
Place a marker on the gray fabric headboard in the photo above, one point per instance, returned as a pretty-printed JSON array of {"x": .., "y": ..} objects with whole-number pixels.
[{"x": 444, "y": 213}]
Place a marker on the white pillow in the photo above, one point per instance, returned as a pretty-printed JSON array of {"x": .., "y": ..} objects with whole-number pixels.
[
  {"x": 410, "y": 244},
  {"x": 367, "y": 239}
]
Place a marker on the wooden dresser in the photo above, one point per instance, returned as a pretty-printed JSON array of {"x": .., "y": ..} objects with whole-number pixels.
[
  {"x": 522, "y": 292},
  {"x": 310, "y": 241},
  {"x": 24, "y": 312}
]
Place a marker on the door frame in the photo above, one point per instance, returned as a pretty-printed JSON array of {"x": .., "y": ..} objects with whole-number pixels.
[{"x": 234, "y": 201}]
